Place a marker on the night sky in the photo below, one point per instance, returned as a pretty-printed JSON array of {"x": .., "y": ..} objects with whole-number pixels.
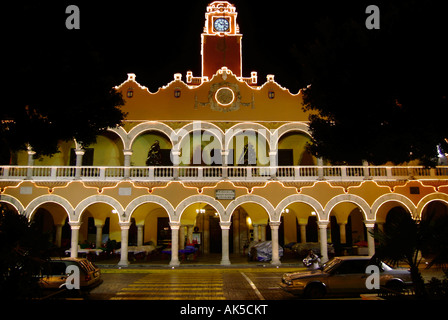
[{"x": 154, "y": 39}]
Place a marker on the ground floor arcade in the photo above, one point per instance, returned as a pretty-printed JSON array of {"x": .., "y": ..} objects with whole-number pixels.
[{"x": 221, "y": 218}]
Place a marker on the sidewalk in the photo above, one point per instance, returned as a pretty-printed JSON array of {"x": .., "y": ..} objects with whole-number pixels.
[{"x": 202, "y": 261}]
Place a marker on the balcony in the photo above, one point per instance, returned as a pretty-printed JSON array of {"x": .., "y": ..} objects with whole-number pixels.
[{"x": 218, "y": 173}]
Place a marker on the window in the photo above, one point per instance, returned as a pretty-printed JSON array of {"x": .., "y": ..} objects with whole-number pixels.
[
  {"x": 414, "y": 190},
  {"x": 54, "y": 268},
  {"x": 352, "y": 266}
]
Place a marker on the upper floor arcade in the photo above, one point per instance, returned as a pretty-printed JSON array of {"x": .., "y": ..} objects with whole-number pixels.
[{"x": 202, "y": 151}]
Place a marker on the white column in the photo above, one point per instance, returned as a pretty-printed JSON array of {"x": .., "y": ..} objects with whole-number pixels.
[
  {"x": 182, "y": 237},
  {"x": 274, "y": 235},
  {"x": 320, "y": 170},
  {"x": 302, "y": 231},
  {"x": 29, "y": 171},
  {"x": 190, "y": 229},
  {"x": 140, "y": 234},
  {"x": 342, "y": 233},
  {"x": 124, "y": 243},
  {"x": 225, "y": 227},
  {"x": 256, "y": 237},
  {"x": 273, "y": 163},
  {"x": 176, "y": 162},
  {"x": 99, "y": 235},
  {"x": 127, "y": 162},
  {"x": 370, "y": 225},
  {"x": 174, "y": 243},
  {"x": 224, "y": 155},
  {"x": 262, "y": 232},
  {"x": 74, "y": 238},
  {"x": 323, "y": 240},
  {"x": 79, "y": 155},
  {"x": 31, "y": 154},
  {"x": 365, "y": 164},
  {"x": 127, "y": 157}
]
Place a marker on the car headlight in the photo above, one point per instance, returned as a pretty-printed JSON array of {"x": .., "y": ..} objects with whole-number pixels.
[{"x": 299, "y": 283}]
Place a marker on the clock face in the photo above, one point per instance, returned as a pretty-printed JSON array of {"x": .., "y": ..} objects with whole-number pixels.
[{"x": 221, "y": 24}]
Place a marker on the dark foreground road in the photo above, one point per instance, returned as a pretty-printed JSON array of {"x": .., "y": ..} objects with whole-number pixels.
[{"x": 192, "y": 284}]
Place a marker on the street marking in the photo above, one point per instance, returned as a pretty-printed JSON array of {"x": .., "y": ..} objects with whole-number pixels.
[
  {"x": 171, "y": 289},
  {"x": 171, "y": 286},
  {"x": 168, "y": 298},
  {"x": 175, "y": 284},
  {"x": 259, "y": 295},
  {"x": 181, "y": 270}
]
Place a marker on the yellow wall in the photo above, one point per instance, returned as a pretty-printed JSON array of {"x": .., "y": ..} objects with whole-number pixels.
[
  {"x": 297, "y": 142},
  {"x": 162, "y": 105}
]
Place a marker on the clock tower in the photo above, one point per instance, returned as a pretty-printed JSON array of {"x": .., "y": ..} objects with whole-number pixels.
[{"x": 221, "y": 40}]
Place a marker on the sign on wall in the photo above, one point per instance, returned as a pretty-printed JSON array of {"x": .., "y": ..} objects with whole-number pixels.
[{"x": 224, "y": 194}]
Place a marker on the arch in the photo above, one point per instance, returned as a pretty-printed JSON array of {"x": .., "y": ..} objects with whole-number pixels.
[
  {"x": 150, "y": 199},
  {"x": 394, "y": 197},
  {"x": 13, "y": 202},
  {"x": 360, "y": 202},
  {"x": 289, "y": 127},
  {"x": 195, "y": 199},
  {"x": 252, "y": 126},
  {"x": 121, "y": 133},
  {"x": 100, "y": 199},
  {"x": 429, "y": 198},
  {"x": 254, "y": 199},
  {"x": 313, "y": 203},
  {"x": 183, "y": 132},
  {"x": 148, "y": 126},
  {"x": 33, "y": 205}
]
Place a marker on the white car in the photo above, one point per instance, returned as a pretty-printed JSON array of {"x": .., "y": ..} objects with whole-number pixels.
[
  {"x": 346, "y": 274},
  {"x": 54, "y": 274}
]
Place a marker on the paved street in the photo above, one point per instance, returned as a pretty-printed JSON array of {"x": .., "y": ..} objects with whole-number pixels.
[
  {"x": 200, "y": 283},
  {"x": 218, "y": 293},
  {"x": 192, "y": 284}
]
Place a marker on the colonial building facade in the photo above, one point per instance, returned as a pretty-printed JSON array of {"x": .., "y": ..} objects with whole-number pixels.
[{"x": 215, "y": 159}]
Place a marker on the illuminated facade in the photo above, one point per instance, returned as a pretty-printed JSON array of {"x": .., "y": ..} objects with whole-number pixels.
[{"x": 232, "y": 166}]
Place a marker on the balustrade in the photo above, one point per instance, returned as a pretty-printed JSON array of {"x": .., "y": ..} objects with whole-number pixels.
[{"x": 197, "y": 173}]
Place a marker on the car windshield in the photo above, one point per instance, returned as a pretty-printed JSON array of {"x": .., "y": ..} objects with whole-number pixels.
[
  {"x": 385, "y": 267},
  {"x": 334, "y": 263},
  {"x": 330, "y": 265}
]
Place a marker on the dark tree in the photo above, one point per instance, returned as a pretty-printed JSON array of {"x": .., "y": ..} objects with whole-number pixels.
[
  {"x": 405, "y": 240},
  {"x": 379, "y": 95},
  {"x": 23, "y": 250},
  {"x": 60, "y": 86}
]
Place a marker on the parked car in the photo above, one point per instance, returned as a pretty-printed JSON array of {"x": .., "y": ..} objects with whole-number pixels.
[
  {"x": 343, "y": 275},
  {"x": 54, "y": 274}
]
